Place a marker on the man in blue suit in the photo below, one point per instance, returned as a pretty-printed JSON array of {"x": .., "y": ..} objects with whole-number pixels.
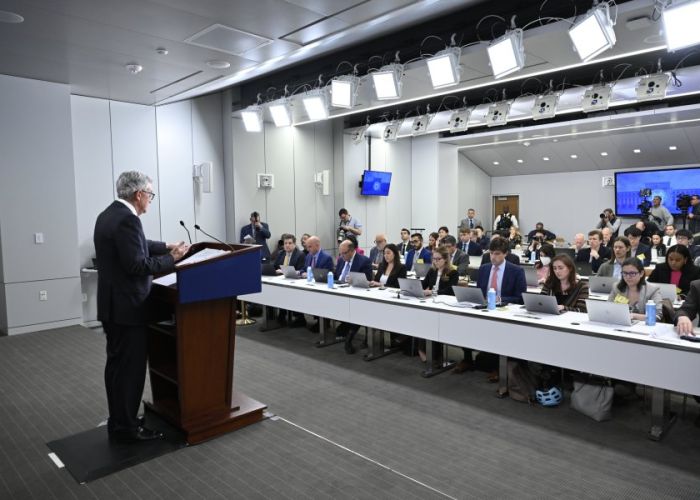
[
  {"x": 317, "y": 258},
  {"x": 257, "y": 233},
  {"x": 351, "y": 262},
  {"x": 290, "y": 256},
  {"x": 509, "y": 282},
  {"x": 422, "y": 253},
  {"x": 638, "y": 249}
]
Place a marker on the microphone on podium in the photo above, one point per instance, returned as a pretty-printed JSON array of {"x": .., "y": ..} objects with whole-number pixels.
[
  {"x": 198, "y": 228},
  {"x": 182, "y": 223}
]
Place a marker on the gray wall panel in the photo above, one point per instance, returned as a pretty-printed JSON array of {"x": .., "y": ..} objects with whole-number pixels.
[
  {"x": 398, "y": 204},
  {"x": 474, "y": 191},
  {"x": 326, "y": 210},
  {"x": 279, "y": 142},
  {"x": 248, "y": 161},
  {"x": 26, "y": 309}
]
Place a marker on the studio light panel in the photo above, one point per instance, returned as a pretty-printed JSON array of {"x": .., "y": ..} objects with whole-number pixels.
[{"x": 594, "y": 33}]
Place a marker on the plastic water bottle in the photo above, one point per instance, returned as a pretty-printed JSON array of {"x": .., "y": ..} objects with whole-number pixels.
[
  {"x": 491, "y": 299},
  {"x": 651, "y": 313},
  {"x": 330, "y": 279},
  {"x": 309, "y": 275},
  {"x": 533, "y": 256}
]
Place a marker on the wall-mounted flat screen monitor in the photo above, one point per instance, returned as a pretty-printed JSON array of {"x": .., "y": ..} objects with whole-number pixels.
[
  {"x": 375, "y": 183},
  {"x": 667, "y": 183}
]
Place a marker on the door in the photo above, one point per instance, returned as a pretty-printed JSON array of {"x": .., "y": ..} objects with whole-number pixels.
[{"x": 501, "y": 202}]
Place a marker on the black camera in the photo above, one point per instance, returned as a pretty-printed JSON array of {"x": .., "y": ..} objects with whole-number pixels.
[
  {"x": 683, "y": 202},
  {"x": 602, "y": 216},
  {"x": 645, "y": 192}
]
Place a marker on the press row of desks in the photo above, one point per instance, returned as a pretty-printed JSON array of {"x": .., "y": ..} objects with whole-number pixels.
[{"x": 652, "y": 356}]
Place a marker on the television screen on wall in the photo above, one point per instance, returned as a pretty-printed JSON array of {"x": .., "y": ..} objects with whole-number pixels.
[
  {"x": 667, "y": 183},
  {"x": 375, "y": 183}
]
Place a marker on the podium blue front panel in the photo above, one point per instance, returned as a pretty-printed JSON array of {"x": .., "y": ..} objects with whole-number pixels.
[{"x": 220, "y": 279}]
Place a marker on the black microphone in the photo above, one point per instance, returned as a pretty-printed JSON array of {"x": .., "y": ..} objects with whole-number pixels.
[
  {"x": 196, "y": 226},
  {"x": 188, "y": 231}
]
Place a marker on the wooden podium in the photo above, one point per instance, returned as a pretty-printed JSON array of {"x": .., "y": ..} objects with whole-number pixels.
[{"x": 191, "y": 360}]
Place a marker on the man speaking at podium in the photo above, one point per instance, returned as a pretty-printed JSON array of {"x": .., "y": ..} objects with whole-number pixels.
[{"x": 126, "y": 260}]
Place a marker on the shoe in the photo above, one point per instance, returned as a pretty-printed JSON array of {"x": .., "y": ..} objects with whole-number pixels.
[
  {"x": 349, "y": 349},
  {"x": 493, "y": 377},
  {"x": 297, "y": 323},
  {"x": 140, "y": 434},
  {"x": 141, "y": 421},
  {"x": 463, "y": 366}
]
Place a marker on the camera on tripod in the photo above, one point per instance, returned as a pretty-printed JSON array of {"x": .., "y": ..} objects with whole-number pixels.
[
  {"x": 683, "y": 203},
  {"x": 644, "y": 206}
]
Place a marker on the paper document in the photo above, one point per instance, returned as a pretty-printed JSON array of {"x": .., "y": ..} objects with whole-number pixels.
[
  {"x": 167, "y": 280},
  {"x": 206, "y": 254}
]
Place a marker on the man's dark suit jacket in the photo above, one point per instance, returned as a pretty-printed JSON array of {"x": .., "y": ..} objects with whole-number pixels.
[
  {"x": 296, "y": 259},
  {"x": 460, "y": 261},
  {"x": 261, "y": 235},
  {"x": 584, "y": 255},
  {"x": 512, "y": 258},
  {"x": 126, "y": 260},
  {"x": 691, "y": 305},
  {"x": 360, "y": 264},
  {"x": 645, "y": 250},
  {"x": 373, "y": 255},
  {"x": 473, "y": 248},
  {"x": 323, "y": 261},
  {"x": 512, "y": 286}
]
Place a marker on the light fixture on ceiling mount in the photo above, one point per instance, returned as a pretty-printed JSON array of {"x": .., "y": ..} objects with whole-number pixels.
[
  {"x": 603, "y": 153},
  {"x": 545, "y": 158},
  {"x": 653, "y": 87},
  {"x": 546, "y": 104},
  {"x": 519, "y": 160},
  {"x": 636, "y": 151},
  {"x": 388, "y": 80},
  {"x": 316, "y": 103},
  {"x": 420, "y": 123},
  {"x": 573, "y": 157},
  {"x": 162, "y": 51},
  {"x": 10, "y": 17},
  {"x": 596, "y": 98},
  {"x": 594, "y": 33},
  {"x": 391, "y": 131},
  {"x": 252, "y": 118},
  {"x": 134, "y": 68},
  {"x": 444, "y": 66},
  {"x": 344, "y": 91},
  {"x": 459, "y": 120},
  {"x": 680, "y": 24},
  {"x": 497, "y": 113},
  {"x": 218, "y": 64},
  {"x": 497, "y": 163},
  {"x": 281, "y": 112},
  {"x": 507, "y": 53},
  {"x": 672, "y": 148},
  {"x": 358, "y": 135}
]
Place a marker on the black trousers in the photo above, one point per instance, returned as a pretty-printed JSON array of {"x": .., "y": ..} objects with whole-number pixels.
[{"x": 125, "y": 374}]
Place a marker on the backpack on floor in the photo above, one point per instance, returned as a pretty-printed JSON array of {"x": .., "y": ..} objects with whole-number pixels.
[{"x": 522, "y": 383}]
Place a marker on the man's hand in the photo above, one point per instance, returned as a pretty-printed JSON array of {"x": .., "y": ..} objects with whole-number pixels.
[
  {"x": 179, "y": 251},
  {"x": 170, "y": 246},
  {"x": 684, "y": 326},
  {"x": 594, "y": 254}
]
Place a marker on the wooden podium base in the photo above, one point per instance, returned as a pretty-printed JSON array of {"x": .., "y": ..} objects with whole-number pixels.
[{"x": 244, "y": 411}]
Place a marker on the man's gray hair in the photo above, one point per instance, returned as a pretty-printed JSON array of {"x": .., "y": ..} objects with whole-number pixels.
[{"x": 131, "y": 182}]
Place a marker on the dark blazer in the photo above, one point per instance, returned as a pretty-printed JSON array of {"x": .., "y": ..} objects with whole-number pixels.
[
  {"x": 660, "y": 250},
  {"x": 548, "y": 235},
  {"x": 261, "y": 235},
  {"x": 399, "y": 271},
  {"x": 404, "y": 248},
  {"x": 424, "y": 254},
  {"x": 461, "y": 261},
  {"x": 447, "y": 281},
  {"x": 662, "y": 274},
  {"x": 374, "y": 253},
  {"x": 484, "y": 242},
  {"x": 512, "y": 286},
  {"x": 691, "y": 305},
  {"x": 126, "y": 261},
  {"x": 513, "y": 259},
  {"x": 584, "y": 255},
  {"x": 645, "y": 250},
  {"x": 360, "y": 264},
  {"x": 473, "y": 248},
  {"x": 323, "y": 260},
  {"x": 297, "y": 259}
]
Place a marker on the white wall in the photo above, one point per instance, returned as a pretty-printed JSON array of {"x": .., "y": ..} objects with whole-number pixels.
[
  {"x": 37, "y": 195},
  {"x": 474, "y": 192}
]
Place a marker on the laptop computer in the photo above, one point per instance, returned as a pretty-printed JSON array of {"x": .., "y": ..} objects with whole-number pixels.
[
  {"x": 473, "y": 274},
  {"x": 320, "y": 275},
  {"x": 602, "y": 284},
  {"x": 531, "y": 277},
  {"x": 609, "y": 313},
  {"x": 565, "y": 250},
  {"x": 358, "y": 280},
  {"x": 268, "y": 270},
  {"x": 289, "y": 272},
  {"x": 583, "y": 268},
  {"x": 668, "y": 291},
  {"x": 469, "y": 294},
  {"x": 411, "y": 287},
  {"x": 538, "y": 303},
  {"x": 421, "y": 269}
]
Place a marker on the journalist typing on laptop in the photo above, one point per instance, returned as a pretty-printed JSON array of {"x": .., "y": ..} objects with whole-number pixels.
[{"x": 634, "y": 291}]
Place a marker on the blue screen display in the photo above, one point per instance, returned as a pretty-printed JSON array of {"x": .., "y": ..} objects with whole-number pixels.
[
  {"x": 665, "y": 183},
  {"x": 375, "y": 183}
]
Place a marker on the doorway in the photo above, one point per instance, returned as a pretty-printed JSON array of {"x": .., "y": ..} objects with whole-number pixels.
[{"x": 510, "y": 201}]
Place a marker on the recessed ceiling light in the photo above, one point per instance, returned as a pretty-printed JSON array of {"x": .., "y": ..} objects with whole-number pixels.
[
  {"x": 134, "y": 68},
  {"x": 545, "y": 158},
  {"x": 519, "y": 160},
  {"x": 603, "y": 153},
  {"x": 636, "y": 151},
  {"x": 218, "y": 64},
  {"x": 526, "y": 143},
  {"x": 162, "y": 51},
  {"x": 555, "y": 140},
  {"x": 672, "y": 148},
  {"x": 10, "y": 17},
  {"x": 573, "y": 157},
  {"x": 496, "y": 163}
]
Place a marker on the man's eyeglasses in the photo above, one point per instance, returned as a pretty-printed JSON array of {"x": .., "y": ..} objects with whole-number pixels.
[{"x": 151, "y": 194}]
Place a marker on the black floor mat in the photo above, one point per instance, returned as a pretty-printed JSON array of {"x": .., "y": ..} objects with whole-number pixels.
[{"x": 90, "y": 455}]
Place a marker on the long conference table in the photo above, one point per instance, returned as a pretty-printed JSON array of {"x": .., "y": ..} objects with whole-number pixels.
[{"x": 652, "y": 356}]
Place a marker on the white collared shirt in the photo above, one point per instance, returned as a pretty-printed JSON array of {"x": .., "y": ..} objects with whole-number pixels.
[{"x": 131, "y": 207}]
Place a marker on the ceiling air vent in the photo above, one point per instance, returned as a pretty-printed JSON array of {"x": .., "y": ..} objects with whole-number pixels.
[{"x": 228, "y": 40}]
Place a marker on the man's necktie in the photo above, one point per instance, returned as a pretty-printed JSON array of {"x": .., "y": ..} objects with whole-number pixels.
[
  {"x": 286, "y": 259},
  {"x": 668, "y": 242},
  {"x": 494, "y": 279},
  {"x": 464, "y": 247},
  {"x": 346, "y": 269},
  {"x": 471, "y": 223},
  {"x": 313, "y": 261}
]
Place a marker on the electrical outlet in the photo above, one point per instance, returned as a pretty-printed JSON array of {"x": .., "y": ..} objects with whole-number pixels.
[
  {"x": 38, "y": 238},
  {"x": 85, "y": 297},
  {"x": 43, "y": 295}
]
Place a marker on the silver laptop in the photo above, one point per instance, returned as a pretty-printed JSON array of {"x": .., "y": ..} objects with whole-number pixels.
[
  {"x": 583, "y": 268},
  {"x": 668, "y": 291},
  {"x": 358, "y": 280},
  {"x": 469, "y": 294},
  {"x": 289, "y": 272},
  {"x": 538, "y": 303},
  {"x": 602, "y": 284},
  {"x": 531, "y": 276},
  {"x": 421, "y": 269},
  {"x": 411, "y": 287},
  {"x": 609, "y": 313},
  {"x": 565, "y": 250},
  {"x": 320, "y": 275}
]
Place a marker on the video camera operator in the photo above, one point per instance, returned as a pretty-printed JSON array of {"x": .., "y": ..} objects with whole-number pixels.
[
  {"x": 692, "y": 206},
  {"x": 609, "y": 219}
]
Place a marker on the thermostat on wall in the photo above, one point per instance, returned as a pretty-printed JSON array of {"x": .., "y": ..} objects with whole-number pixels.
[{"x": 266, "y": 181}]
